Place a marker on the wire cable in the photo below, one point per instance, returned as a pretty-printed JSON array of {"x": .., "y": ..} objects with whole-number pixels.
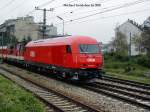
[
  {"x": 122, "y": 14},
  {"x": 72, "y": 11},
  {"x": 46, "y": 3},
  {"x": 19, "y": 5},
  {"x": 108, "y": 10},
  {"x": 42, "y": 5},
  {"x": 112, "y": 9},
  {"x": 62, "y": 5},
  {"x": 7, "y": 4}
]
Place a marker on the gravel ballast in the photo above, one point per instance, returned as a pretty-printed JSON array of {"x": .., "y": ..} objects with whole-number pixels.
[{"x": 99, "y": 101}]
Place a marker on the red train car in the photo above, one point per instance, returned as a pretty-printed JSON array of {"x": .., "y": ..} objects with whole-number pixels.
[
  {"x": 75, "y": 57},
  {"x": 3, "y": 52},
  {"x": 72, "y": 57},
  {"x": 14, "y": 53}
]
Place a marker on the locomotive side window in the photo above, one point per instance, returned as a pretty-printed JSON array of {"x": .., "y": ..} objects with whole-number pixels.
[
  {"x": 68, "y": 49},
  {"x": 89, "y": 48}
]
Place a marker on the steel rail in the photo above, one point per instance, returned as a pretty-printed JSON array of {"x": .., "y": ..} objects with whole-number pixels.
[
  {"x": 52, "y": 98},
  {"x": 127, "y": 82},
  {"x": 121, "y": 91},
  {"x": 114, "y": 93},
  {"x": 137, "y": 90}
]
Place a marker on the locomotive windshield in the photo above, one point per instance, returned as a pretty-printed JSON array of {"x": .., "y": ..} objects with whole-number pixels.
[{"x": 89, "y": 48}]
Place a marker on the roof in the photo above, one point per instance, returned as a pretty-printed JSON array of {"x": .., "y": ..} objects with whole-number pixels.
[
  {"x": 132, "y": 23},
  {"x": 62, "y": 40}
]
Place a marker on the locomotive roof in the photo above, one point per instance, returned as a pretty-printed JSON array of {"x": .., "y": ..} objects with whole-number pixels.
[{"x": 62, "y": 40}]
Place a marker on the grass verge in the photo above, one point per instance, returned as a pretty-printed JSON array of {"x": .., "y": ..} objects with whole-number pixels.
[
  {"x": 15, "y": 99},
  {"x": 129, "y": 69},
  {"x": 118, "y": 70}
]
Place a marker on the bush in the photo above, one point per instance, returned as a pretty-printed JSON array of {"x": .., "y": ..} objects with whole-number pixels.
[
  {"x": 122, "y": 58},
  {"x": 115, "y": 60},
  {"x": 116, "y": 57},
  {"x": 144, "y": 61}
]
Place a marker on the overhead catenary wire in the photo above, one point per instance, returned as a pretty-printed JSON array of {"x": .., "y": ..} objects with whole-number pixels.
[
  {"x": 138, "y": 1},
  {"x": 42, "y": 5},
  {"x": 45, "y": 4},
  {"x": 65, "y": 3},
  {"x": 19, "y": 5},
  {"x": 112, "y": 9},
  {"x": 106, "y": 17},
  {"x": 12, "y": 1},
  {"x": 72, "y": 11},
  {"x": 7, "y": 4},
  {"x": 108, "y": 10},
  {"x": 85, "y": 12}
]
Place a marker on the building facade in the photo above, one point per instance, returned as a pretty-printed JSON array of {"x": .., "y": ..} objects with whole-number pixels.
[
  {"x": 108, "y": 48},
  {"x": 20, "y": 28},
  {"x": 50, "y": 31},
  {"x": 130, "y": 29},
  {"x": 24, "y": 28}
]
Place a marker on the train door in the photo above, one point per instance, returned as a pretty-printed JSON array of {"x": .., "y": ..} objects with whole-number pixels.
[{"x": 68, "y": 56}]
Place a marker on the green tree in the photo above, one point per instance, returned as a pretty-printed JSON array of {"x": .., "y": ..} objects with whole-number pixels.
[
  {"x": 29, "y": 39},
  {"x": 120, "y": 43},
  {"x": 24, "y": 41},
  {"x": 137, "y": 41},
  {"x": 6, "y": 39},
  {"x": 14, "y": 40},
  {"x": 146, "y": 39}
]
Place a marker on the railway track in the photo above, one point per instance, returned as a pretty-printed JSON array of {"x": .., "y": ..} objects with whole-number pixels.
[
  {"x": 125, "y": 88},
  {"x": 56, "y": 102},
  {"x": 127, "y": 82},
  {"x": 133, "y": 96},
  {"x": 139, "y": 97}
]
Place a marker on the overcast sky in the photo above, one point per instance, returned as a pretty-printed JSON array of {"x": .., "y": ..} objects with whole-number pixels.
[{"x": 100, "y": 26}]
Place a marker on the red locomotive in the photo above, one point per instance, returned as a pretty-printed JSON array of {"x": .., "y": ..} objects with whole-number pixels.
[{"x": 72, "y": 57}]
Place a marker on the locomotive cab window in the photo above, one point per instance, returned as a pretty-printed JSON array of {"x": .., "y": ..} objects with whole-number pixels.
[
  {"x": 89, "y": 48},
  {"x": 68, "y": 49}
]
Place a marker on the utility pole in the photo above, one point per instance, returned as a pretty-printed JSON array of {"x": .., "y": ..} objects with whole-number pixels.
[
  {"x": 130, "y": 46},
  {"x": 44, "y": 19}
]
